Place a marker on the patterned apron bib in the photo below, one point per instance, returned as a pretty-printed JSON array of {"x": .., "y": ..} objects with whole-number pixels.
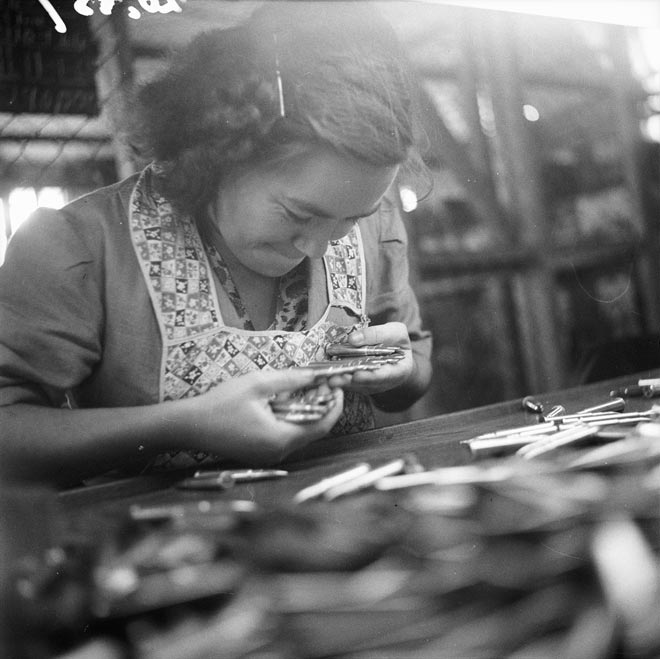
[{"x": 199, "y": 351}]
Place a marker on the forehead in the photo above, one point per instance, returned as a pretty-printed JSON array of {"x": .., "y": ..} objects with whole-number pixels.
[{"x": 336, "y": 184}]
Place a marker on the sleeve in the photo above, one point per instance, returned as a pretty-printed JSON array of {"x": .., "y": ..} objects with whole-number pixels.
[
  {"x": 389, "y": 294},
  {"x": 50, "y": 311}
]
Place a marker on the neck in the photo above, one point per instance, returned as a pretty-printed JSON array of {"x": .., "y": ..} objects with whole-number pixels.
[
  {"x": 258, "y": 293},
  {"x": 238, "y": 271}
]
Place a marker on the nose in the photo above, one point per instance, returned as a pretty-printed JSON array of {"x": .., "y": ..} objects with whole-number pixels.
[
  {"x": 313, "y": 241},
  {"x": 312, "y": 247}
]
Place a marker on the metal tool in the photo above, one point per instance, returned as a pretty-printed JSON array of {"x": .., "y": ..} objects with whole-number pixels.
[{"x": 344, "y": 350}]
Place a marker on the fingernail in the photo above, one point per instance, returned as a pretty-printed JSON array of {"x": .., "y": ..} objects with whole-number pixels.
[{"x": 356, "y": 337}]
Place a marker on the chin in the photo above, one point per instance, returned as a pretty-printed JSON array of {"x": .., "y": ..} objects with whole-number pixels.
[{"x": 276, "y": 267}]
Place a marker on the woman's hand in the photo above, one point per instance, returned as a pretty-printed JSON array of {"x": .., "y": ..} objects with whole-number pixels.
[
  {"x": 388, "y": 376},
  {"x": 235, "y": 419}
]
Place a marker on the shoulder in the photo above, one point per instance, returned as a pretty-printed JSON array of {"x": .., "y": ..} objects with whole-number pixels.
[
  {"x": 385, "y": 225},
  {"x": 79, "y": 228},
  {"x": 107, "y": 205}
]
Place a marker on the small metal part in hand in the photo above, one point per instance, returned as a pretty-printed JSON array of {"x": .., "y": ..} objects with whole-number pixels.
[
  {"x": 294, "y": 406},
  {"x": 300, "y": 417},
  {"x": 344, "y": 350},
  {"x": 304, "y": 406}
]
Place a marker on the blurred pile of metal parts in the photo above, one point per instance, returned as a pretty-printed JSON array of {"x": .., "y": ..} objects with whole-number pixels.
[{"x": 512, "y": 555}]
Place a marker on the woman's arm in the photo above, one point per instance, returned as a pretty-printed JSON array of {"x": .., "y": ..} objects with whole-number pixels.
[
  {"x": 411, "y": 390},
  {"x": 233, "y": 421}
]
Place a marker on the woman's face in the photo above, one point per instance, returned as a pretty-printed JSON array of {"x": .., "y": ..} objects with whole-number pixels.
[{"x": 273, "y": 217}]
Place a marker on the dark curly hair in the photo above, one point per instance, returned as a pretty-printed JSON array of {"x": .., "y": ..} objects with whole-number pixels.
[{"x": 216, "y": 107}]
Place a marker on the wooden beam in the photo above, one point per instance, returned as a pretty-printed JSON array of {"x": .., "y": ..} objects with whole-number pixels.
[
  {"x": 626, "y": 95},
  {"x": 520, "y": 175},
  {"x": 446, "y": 150},
  {"x": 114, "y": 77}
]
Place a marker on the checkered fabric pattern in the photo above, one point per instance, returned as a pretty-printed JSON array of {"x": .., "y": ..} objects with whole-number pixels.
[{"x": 199, "y": 351}]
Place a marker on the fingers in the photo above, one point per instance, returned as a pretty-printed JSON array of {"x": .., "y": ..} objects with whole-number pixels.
[
  {"x": 393, "y": 333},
  {"x": 309, "y": 431},
  {"x": 270, "y": 383},
  {"x": 340, "y": 380}
]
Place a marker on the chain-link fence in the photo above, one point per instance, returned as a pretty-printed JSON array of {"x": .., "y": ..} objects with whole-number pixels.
[{"x": 58, "y": 91}]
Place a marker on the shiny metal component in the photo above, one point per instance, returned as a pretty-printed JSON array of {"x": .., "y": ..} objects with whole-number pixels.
[
  {"x": 602, "y": 417},
  {"x": 242, "y": 475},
  {"x": 366, "y": 480},
  {"x": 482, "y": 448},
  {"x": 533, "y": 429},
  {"x": 530, "y": 404},
  {"x": 634, "y": 390},
  {"x": 555, "y": 411},
  {"x": 305, "y": 406},
  {"x": 614, "y": 405},
  {"x": 345, "y": 350},
  {"x": 320, "y": 488},
  {"x": 300, "y": 417},
  {"x": 551, "y": 442}
]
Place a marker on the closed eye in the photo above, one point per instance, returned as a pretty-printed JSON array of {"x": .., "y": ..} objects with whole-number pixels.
[
  {"x": 298, "y": 219},
  {"x": 304, "y": 218}
]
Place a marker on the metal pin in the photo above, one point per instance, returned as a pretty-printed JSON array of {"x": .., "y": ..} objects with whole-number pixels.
[
  {"x": 242, "y": 475},
  {"x": 366, "y": 480},
  {"x": 317, "y": 489},
  {"x": 164, "y": 512},
  {"x": 481, "y": 448},
  {"x": 552, "y": 442},
  {"x": 223, "y": 481},
  {"x": 461, "y": 475},
  {"x": 556, "y": 410},
  {"x": 278, "y": 75},
  {"x": 602, "y": 416},
  {"x": 533, "y": 429},
  {"x": 614, "y": 405},
  {"x": 343, "y": 350}
]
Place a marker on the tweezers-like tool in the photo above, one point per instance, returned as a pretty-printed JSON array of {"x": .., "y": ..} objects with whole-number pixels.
[{"x": 344, "y": 350}]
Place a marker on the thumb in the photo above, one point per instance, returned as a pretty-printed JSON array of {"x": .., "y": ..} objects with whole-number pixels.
[{"x": 389, "y": 334}]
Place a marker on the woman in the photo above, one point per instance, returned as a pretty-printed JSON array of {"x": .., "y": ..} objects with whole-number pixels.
[{"x": 152, "y": 322}]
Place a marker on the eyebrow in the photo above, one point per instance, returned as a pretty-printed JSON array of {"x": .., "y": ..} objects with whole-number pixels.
[{"x": 319, "y": 212}]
